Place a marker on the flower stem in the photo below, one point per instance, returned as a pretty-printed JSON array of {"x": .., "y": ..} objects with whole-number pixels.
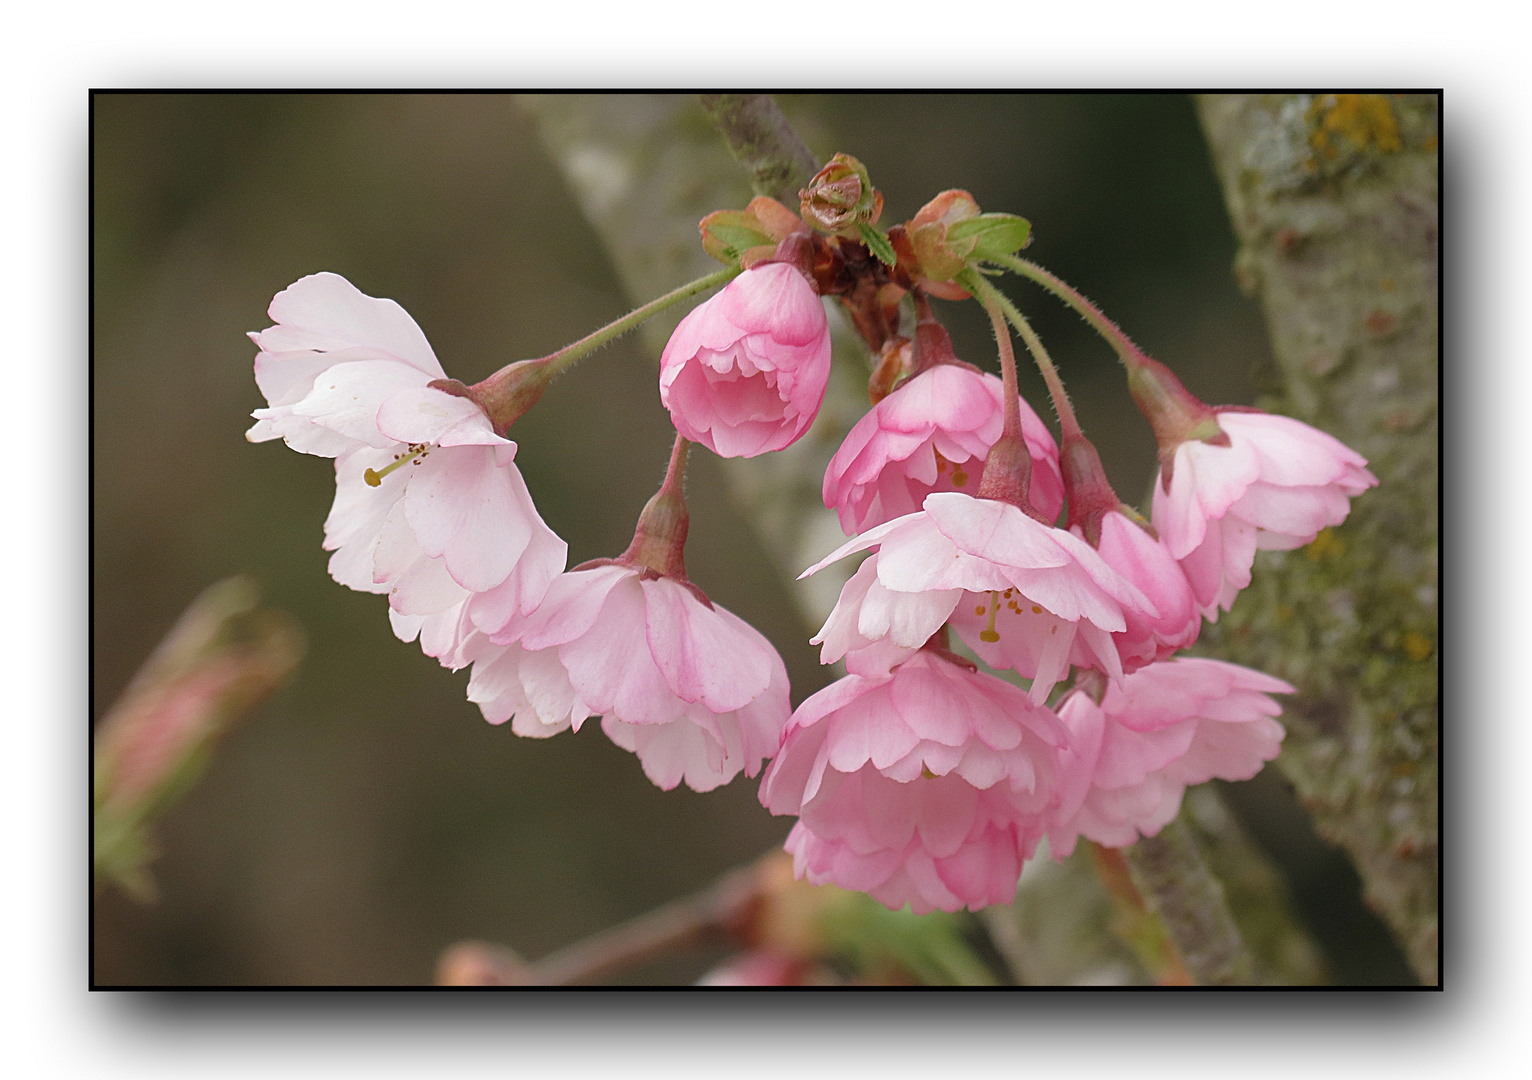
[
  {"x": 558, "y": 361},
  {"x": 989, "y": 296},
  {"x": 659, "y": 540},
  {"x": 1008, "y": 466},
  {"x": 506, "y": 395},
  {"x": 1130, "y": 354},
  {"x": 1061, "y": 404}
]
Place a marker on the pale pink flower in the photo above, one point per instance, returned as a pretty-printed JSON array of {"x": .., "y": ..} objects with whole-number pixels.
[
  {"x": 1130, "y": 759},
  {"x": 429, "y": 505},
  {"x": 932, "y": 434},
  {"x": 757, "y": 967},
  {"x": 1145, "y": 564},
  {"x": 1018, "y": 592},
  {"x": 692, "y": 689},
  {"x": 927, "y": 786},
  {"x": 1277, "y": 483},
  {"x": 746, "y": 371}
]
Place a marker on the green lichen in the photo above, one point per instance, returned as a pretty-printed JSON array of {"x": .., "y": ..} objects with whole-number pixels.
[{"x": 1346, "y": 270}]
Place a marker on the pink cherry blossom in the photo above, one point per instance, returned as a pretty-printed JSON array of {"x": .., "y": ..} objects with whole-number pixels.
[
  {"x": 1019, "y": 593},
  {"x": 932, "y": 434},
  {"x": 927, "y": 786},
  {"x": 695, "y": 691},
  {"x": 757, "y": 967},
  {"x": 1144, "y": 563},
  {"x": 1274, "y": 487},
  {"x": 746, "y": 371},
  {"x": 429, "y": 505},
  {"x": 1130, "y": 759}
]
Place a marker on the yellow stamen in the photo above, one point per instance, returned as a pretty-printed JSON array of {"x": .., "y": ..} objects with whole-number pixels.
[
  {"x": 988, "y": 633},
  {"x": 374, "y": 477}
]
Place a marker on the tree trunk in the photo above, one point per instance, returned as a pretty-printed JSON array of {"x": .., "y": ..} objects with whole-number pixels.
[{"x": 1334, "y": 201}]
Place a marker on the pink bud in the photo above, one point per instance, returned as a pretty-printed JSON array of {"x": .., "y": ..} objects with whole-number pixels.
[{"x": 745, "y": 372}]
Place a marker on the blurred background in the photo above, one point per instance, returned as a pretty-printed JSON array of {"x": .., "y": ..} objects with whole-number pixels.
[{"x": 366, "y": 817}]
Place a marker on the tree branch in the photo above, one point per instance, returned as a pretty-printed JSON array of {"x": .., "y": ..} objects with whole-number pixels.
[
  {"x": 1334, "y": 202},
  {"x": 712, "y": 915},
  {"x": 1176, "y": 883},
  {"x": 761, "y": 139}
]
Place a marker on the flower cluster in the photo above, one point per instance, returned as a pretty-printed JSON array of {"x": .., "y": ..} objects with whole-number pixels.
[{"x": 925, "y": 776}]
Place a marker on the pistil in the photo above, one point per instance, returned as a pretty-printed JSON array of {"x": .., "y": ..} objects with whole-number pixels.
[{"x": 374, "y": 477}]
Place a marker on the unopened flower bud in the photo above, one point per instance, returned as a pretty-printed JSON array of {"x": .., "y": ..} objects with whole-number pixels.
[
  {"x": 841, "y": 197},
  {"x": 745, "y": 372},
  {"x": 949, "y": 233},
  {"x": 744, "y": 237},
  {"x": 223, "y": 657}
]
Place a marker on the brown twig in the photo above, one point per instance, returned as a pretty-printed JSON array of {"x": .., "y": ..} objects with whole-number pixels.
[
  {"x": 719, "y": 913},
  {"x": 761, "y": 139}
]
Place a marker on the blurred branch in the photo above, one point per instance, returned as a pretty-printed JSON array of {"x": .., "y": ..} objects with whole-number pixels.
[
  {"x": 1084, "y": 922},
  {"x": 1334, "y": 202},
  {"x": 1175, "y": 882},
  {"x": 710, "y": 916},
  {"x": 223, "y": 657},
  {"x": 760, "y": 907}
]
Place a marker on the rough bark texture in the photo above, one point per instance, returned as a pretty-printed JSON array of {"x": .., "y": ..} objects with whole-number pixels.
[
  {"x": 1171, "y": 875},
  {"x": 761, "y": 139},
  {"x": 1334, "y": 201},
  {"x": 1066, "y": 928}
]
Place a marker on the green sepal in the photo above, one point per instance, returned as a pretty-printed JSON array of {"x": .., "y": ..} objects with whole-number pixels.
[
  {"x": 991, "y": 235},
  {"x": 877, "y": 243},
  {"x": 728, "y": 234}
]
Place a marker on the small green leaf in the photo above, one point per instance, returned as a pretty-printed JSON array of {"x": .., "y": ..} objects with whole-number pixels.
[
  {"x": 877, "y": 243},
  {"x": 992, "y": 234}
]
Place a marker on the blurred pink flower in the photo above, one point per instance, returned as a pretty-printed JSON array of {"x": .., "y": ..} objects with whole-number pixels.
[
  {"x": 1130, "y": 759},
  {"x": 926, "y": 786},
  {"x": 1144, "y": 563},
  {"x": 1273, "y": 487},
  {"x": 757, "y": 967},
  {"x": 746, "y": 371},
  {"x": 1019, "y": 593},
  {"x": 695, "y": 691},
  {"x": 429, "y": 505},
  {"x": 932, "y": 434}
]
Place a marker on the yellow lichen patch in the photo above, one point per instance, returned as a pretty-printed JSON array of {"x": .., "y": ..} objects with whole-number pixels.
[
  {"x": 1362, "y": 119},
  {"x": 1417, "y": 645},
  {"x": 1325, "y": 545}
]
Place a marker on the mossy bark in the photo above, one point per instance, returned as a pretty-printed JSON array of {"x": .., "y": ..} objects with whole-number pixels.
[{"x": 1334, "y": 202}]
